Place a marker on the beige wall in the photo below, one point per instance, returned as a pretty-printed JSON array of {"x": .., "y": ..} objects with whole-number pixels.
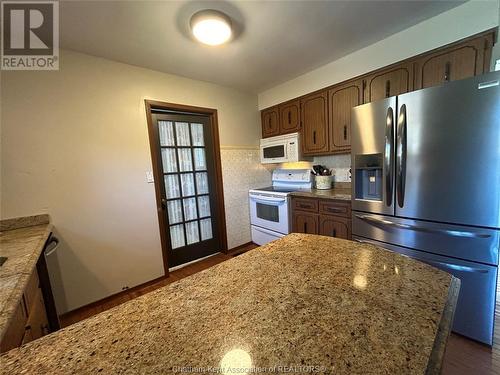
[
  {"x": 457, "y": 23},
  {"x": 75, "y": 145}
]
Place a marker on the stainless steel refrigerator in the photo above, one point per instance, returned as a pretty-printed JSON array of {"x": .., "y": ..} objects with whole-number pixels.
[{"x": 426, "y": 184}]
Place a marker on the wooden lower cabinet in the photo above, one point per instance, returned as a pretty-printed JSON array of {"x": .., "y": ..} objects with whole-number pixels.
[
  {"x": 29, "y": 321},
  {"x": 325, "y": 217},
  {"x": 14, "y": 333},
  {"x": 334, "y": 226},
  {"x": 305, "y": 222}
]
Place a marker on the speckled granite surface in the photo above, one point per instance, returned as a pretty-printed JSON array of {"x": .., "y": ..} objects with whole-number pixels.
[
  {"x": 22, "y": 247},
  {"x": 22, "y": 222},
  {"x": 337, "y": 194},
  {"x": 300, "y": 301}
]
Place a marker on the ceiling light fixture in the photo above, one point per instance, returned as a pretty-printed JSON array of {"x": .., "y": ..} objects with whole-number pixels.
[{"x": 211, "y": 27}]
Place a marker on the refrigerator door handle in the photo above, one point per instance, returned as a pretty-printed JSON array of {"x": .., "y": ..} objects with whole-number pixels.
[
  {"x": 455, "y": 267},
  {"x": 454, "y": 233},
  {"x": 401, "y": 156},
  {"x": 388, "y": 156}
]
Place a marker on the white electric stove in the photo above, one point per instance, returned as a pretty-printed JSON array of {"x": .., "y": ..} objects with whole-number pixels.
[{"x": 269, "y": 206}]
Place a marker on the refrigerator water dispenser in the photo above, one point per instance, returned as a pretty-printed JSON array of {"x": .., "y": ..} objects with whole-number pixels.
[{"x": 368, "y": 169}]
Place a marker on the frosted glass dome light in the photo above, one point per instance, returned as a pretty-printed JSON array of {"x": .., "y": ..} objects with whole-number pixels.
[{"x": 211, "y": 27}]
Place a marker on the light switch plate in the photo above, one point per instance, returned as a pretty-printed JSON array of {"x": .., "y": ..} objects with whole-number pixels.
[{"x": 149, "y": 177}]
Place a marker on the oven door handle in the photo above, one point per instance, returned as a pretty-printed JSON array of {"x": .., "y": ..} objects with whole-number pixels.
[{"x": 268, "y": 200}]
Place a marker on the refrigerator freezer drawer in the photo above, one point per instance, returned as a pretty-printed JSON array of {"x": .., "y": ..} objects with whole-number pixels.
[
  {"x": 468, "y": 243},
  {"x": 475, "y": 312}
]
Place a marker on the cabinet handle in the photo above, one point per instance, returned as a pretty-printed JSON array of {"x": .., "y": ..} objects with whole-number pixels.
[
  {"x": 334, "y": 232},
  {"x": 387, "y": 88},
  {"x": 447, "y": 71},
  {"x": 305, "y": 227},
  {"x": 314, "y": 136},
  {"x": 345, "y": 132},
  {"x": 334, "y": 210},
  {"x": 289, "y": 118},
  {"x": 269, "y": 123}
]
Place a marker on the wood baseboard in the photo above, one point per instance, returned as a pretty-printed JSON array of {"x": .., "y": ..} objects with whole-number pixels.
[
  {"x": 113, "y": 296},
  {"x": 232, "y": 252},
  {"x": 241, "y": 249}
]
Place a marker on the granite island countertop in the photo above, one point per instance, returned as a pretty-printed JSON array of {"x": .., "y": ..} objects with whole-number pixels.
[
  {"x": 335, "y": 194},
  {"x": 301, "y": 301},
  {"x": 22, "y": 246}
]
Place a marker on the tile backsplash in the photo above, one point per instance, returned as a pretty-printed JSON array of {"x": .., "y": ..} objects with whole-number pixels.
[
  {"x": 340, "y": 164},
  {"x": 241, "y": 171}
]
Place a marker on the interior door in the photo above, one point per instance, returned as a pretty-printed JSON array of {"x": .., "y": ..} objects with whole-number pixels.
[
  {"x": 372, "y": 156},
  {"x": 448, "y": 147},
  {"x": 188, "y": 186}
]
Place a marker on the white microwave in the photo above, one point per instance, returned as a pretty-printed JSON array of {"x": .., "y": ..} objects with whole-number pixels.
[{"x": 280, "y": 149}]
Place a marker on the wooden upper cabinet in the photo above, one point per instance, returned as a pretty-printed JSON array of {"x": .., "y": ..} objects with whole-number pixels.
[
  {"x": 341, "y": 100},
  {"x": 464, "y": 60},
  {"x": 389, "y": 82},
  {"x": 270, "y": 122},
  {"x": 314, "y": 117},
  {"x": 289, "y": 113}
]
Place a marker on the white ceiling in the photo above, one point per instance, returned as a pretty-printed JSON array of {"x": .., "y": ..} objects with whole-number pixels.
[{"x": 276, "y": 41}]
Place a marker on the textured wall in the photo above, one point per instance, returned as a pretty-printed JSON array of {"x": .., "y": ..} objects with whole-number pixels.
[
  {"x": 75, "y": 145},
  {"x": 241, "y": 171}
]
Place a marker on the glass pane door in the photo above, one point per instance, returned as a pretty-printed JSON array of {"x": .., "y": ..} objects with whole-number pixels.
[
  {"x": 186, "y": 156},
  {"x": 183, "y": 153}
]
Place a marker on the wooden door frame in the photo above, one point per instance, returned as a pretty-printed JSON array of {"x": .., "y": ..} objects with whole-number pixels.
[{"x": 152, "y": 105}]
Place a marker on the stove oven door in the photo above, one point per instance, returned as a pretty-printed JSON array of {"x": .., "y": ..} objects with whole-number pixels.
[{"x": 269, "y": 212}]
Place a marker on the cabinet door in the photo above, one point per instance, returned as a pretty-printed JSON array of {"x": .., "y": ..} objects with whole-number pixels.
[
  {"x": 289, "y": 114},
  {"x": 389, "y": 82},
  {"x": 334, "y": 227},
  {"x": 304, "y": 222},
  {"x": 37, "y": 320},
  {"x": 314, "y": 116},
  {"x": 341, "y": 100},
  {"x": 14, "y": 333},
  {"x": 270, "y": 122},
  {"x": 461, "y": 61}
]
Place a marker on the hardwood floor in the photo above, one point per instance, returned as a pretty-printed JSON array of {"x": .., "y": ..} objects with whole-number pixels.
[{"x": 463, "y": 356}]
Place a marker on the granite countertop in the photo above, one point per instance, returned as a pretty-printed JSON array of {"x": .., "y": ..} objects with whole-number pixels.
[
  {"x": 22, "y": 247},
  {"x": 300, "y": 301},
  {"x": 336, "y": 194}
]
